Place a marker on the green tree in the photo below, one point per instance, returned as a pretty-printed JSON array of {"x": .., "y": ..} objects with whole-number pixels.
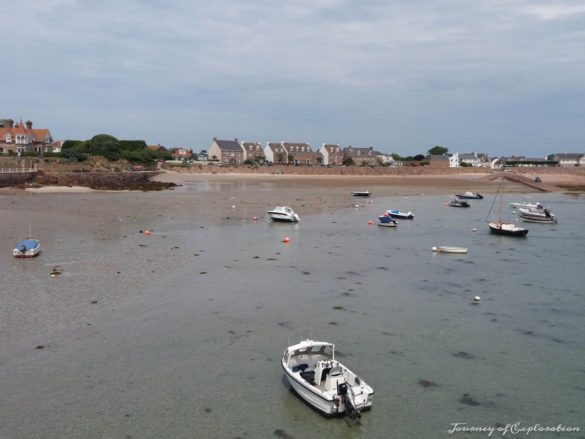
[
  {"x": 348, "y": 161},
  {"x": 105, "y": 145},
  {"x": 438, "y": 150}
]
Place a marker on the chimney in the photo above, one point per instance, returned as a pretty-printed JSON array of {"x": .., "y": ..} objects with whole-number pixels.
[
  {"x": 28, "y": 125},
  {"x": 10, "y": 123}
]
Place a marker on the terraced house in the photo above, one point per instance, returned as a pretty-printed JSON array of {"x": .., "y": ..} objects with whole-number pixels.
[
  {"x": 253, "y": 151},
  {"x": 361, "y": 156},
  {"x": 226, "y": 152},
  {"x": 332, "y": 154},
  {"x": 301, "y": 154}
]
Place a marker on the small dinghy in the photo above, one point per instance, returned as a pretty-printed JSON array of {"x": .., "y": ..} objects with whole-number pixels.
[
  {"x": 386, "y": 221},
  {"x": 27, "y": 248},
  {"x": 537, "y": 216},
  {"x": 312, "y": 371},
  {"x": 284, "y": 214},
  {"x": 449, "y": 249}
]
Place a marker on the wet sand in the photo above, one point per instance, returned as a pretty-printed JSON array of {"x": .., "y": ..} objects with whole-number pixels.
[{"x": 163, "y": 335}]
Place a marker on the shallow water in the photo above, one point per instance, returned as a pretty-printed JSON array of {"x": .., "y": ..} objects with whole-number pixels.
[{"x": 196, "y": 352}]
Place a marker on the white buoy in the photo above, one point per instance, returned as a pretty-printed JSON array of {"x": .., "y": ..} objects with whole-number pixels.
[
  {"x": 474, "y": 230},
  {"x": 476, "y": 299},
  {"x": 434, "y": 249}
]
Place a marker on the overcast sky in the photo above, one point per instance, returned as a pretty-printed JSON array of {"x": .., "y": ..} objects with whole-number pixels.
[{"x": 505, "y": 77}]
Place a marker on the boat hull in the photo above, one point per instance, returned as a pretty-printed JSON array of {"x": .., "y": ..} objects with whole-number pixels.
[
  {"x": 283, "y": 219},
  {"x": 450, "y": 249},
  {"x": 499, "y": 229},
  {"x": 361, "y": 194},
  {"x": 537, "y": 219}
]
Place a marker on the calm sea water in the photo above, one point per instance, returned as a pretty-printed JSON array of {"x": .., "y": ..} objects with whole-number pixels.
[{"x": 197, "y": 353}]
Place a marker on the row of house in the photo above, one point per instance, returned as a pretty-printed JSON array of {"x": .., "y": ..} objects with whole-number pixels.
[
  {"x": 234, "y": 152},
  {"x": 19, "y": 137}
]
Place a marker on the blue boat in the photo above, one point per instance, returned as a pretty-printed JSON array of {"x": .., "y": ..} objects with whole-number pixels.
[
  {"x": 400, "y": 215},
  {"x": 27, "y": 248},
  {"x": 386, "y": 221}
]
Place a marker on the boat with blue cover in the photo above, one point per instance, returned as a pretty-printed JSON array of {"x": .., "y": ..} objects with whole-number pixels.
[
  {"x": 27, "y": 248},
  {"x": 386, "y": 221},
  {"x": 400, "y": 215}
]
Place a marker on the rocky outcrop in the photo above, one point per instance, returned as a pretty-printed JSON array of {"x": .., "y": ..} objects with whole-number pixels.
[{"x": 102, "y": 180}]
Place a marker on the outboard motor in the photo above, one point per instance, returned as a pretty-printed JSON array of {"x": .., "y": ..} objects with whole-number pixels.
[{"x": 345, "y": 392}]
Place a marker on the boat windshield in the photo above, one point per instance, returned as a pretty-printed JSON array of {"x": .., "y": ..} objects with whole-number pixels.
[{"x": 324, "y": 350}]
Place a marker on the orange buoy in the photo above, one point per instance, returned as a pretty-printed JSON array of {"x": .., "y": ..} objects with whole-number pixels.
[
  {"x": 147, "y": 232},
  {"x": 255, "y": 218},
  {"x": 370, "y": 222},
  {"x": 286, "y": 240}
]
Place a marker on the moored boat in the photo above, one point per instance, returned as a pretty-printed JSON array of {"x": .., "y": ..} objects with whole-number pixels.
[
  {"x": 313, "y": 372},
  {"x": 537, "y": 216},
  {"x": 449, "y": 249},
  {"x": 386, "y": 221},
  {"x": 458, "y": 203},
  {"x": 500, "y": 227},
  {"x": 284, "y": 214},
  {"x": 361, "y": 193},
  {"x": 400, "y": 215},
  {"x": 469, "y": 195}
]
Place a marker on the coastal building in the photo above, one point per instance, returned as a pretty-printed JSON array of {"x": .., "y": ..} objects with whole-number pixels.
[
  {"x": 22, "y": 137},
  {"x": 253, "y": 151},
  {"x": 568, "y": 159},
  {"x": 332, "y": 154},
  {"x": 275, "y": 153},
  {"x": 525, "y": 162},
  {"x": 181, "y": 153},
  {"x": 360, "y": 156},
  {"x": 226, "y": 152},
  {"x": 301, "y": 154},
  {"x": 474, "y": 159},
  {"x": 202, "y": 156}
]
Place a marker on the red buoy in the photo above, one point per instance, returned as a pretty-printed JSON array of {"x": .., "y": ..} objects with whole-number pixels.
[{"x": 286, "y": 240}]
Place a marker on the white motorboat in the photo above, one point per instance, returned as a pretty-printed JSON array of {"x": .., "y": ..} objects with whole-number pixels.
[
  {"x": 537, "y": 216},
  {"x": 449, "y": 249},
  {"x": 284, "y": 213},
  {"x": 527, "y": 205},
  {"x": 322, "y": 381}
]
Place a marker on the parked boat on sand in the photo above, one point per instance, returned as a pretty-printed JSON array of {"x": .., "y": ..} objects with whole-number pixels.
[
  {"x": 27, "y": 248},
  {"x": 323, "y": 382},
  {"x": 361, "y": 193}
]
